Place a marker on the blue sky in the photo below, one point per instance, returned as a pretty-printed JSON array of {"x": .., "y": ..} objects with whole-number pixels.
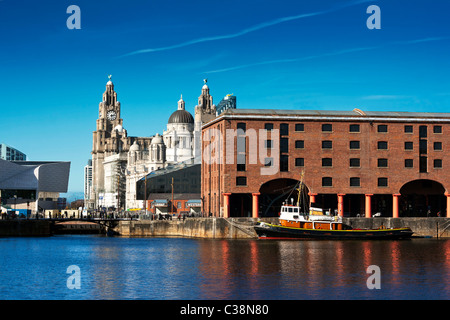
[{"x": 302, "y": 54}]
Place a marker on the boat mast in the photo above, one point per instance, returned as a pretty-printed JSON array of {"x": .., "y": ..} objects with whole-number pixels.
[{"x": 301, "y": 188}]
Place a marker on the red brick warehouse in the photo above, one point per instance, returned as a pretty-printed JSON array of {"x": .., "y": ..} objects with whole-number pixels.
[{"x": 356, "y": 163}]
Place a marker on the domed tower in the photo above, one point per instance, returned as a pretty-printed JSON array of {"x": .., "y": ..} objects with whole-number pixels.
[
  {"x": 157, "y": 152},
  {"x": 205, "y": 111},
  {"x": 178, "y": 137},
  {"x": 133, "y": 153}
]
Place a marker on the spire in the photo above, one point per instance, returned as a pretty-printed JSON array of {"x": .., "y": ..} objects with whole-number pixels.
[
  {"x": 181, "y": 103},
  {"x": 205, "y": 88},
  {"x": 205, "y": 99},
  {"x": 110, "y": 96}
]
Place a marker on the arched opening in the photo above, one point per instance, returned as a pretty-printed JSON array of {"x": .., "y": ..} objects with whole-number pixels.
[
  {"x": 274, "y": 192},
  {"x": 422, "y": 198}
]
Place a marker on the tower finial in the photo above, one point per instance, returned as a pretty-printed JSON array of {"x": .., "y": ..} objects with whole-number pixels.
[
  {"x": 109, "y": 77},
  {"x": 205, "y": 80}
]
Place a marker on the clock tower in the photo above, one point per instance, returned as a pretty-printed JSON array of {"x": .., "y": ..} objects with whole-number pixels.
[
  {"x": 109, "y": 138},
  {"x": 109, "y": 110}
]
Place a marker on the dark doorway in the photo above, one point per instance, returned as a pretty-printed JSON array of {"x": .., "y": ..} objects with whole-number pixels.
[
  {"x": 241, "y": 205},
  {"x": 422, "y": 198},
  {"x": 327, "y": 202},
  {"x": 382, "y": 205}
]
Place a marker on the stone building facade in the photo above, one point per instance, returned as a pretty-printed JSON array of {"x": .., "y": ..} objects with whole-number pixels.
[{"x": 119, "y": 160}]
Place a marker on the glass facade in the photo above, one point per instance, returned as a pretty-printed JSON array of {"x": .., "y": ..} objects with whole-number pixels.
[{"x": 185, "y": 180}]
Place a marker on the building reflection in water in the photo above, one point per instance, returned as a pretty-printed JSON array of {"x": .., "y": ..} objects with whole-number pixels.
[{"x": 266, "y": 269}]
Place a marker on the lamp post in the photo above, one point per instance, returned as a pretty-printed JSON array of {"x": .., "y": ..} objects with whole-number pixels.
[
  {"x": 15, "y": 204},
  {"x": 145, "y": 192}
]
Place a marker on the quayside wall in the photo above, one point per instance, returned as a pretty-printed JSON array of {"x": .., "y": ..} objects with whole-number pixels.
[
  {"x": 25, "y": 228},
  {"x": 241, "y": 228},
  {"x": 221, "y": 228}
]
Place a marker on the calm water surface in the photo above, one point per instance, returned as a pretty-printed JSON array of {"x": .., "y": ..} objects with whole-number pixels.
[{"x": 160, "y": 268}]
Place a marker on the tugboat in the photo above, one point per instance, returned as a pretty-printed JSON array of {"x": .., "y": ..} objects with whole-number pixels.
[{"x": 296, "y": 223}]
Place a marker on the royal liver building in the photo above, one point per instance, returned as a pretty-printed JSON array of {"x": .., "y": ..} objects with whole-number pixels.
[{"x": 119, "y": 160}]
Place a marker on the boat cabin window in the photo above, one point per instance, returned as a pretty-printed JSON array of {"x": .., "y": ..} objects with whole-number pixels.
[
  {"x": 295, "y": 216},
  {"x": 290, "y": 209},
  {"x": 295, "y": 210}
]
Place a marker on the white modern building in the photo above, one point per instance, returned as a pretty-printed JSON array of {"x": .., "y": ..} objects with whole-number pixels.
[
  {"x": 33, "y": 185},
  {"x": 11, "y": 154},
  {"x": 87, "y": 181}
]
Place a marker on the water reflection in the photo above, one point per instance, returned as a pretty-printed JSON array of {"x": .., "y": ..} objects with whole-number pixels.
[
  {"x": 324, "y": 269},
  {"x": 158, "y": 268}
]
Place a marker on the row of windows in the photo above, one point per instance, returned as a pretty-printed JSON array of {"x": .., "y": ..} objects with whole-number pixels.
[
  {"x": 354, "y": 144},
  {"x": 354, "y": 182},
  {"x": 327, "y": 181},
  {"x": 328, "y": 127},
  {"x": 356, "y": 162},
  {"x": 353, "y": 163}
]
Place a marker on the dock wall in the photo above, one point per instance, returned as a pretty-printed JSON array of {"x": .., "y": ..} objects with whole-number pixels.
[
  {"x": 211, "y": 228},
  {"x": 221, "y": 228},
  {"x": 25, "y": 228},
  {"x": 241, "y": 228}
]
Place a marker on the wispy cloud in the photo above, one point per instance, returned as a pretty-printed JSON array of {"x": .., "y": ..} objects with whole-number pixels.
[
  {"x": 329, "y": 54},
  {"x": 247, "y": 30},
  {"x": 386, "y": 97},
  {"x": 291, "y": 60}
]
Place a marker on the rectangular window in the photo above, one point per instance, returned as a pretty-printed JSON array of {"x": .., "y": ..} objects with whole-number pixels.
[
  {"x": 382, "y": 163},
  {"x": 354, "y": 128},
  {"x": 382, "y": 145},
  {"x": 284, "y": 163},
  {"x": 269, "y": 144},
  {"x": 327, "y": 182},
  {"x": 437, "y": 129},
  {"x": 409, "y": 163},
  {"x": 240, "y": 167},
  {"x": 284, "y": 129},
  {"x": 423, "y": 146},
  {"x": 299, "y": 144},
  {"x": 355, "y": 182},
  {"x": 327, "y": 162},
  {"x": 284, "y": 145},
  {"x": 327, "y": 127},
  {"x": 241, "y": 181},
  {"x": 437, "y": 146},
  {"x": 355, "y": 145},
  {"x": 355, "y": 163},
  {"x": 299, "y": 162},
  {"x": 382, "y": 128},
  {"x": 437, "y": 163},
  {"x": 422, "y": 131},
  {"x": 423, "y": 164},
  {"x": 327, "y": 144},
  {"x": 268, "y": 126},
  {"x": 299, "y": 127},
  {"x": 408, "y": 129},
  {"x": 382, "y": 182},
  {"x": 409, "y": 145}
]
